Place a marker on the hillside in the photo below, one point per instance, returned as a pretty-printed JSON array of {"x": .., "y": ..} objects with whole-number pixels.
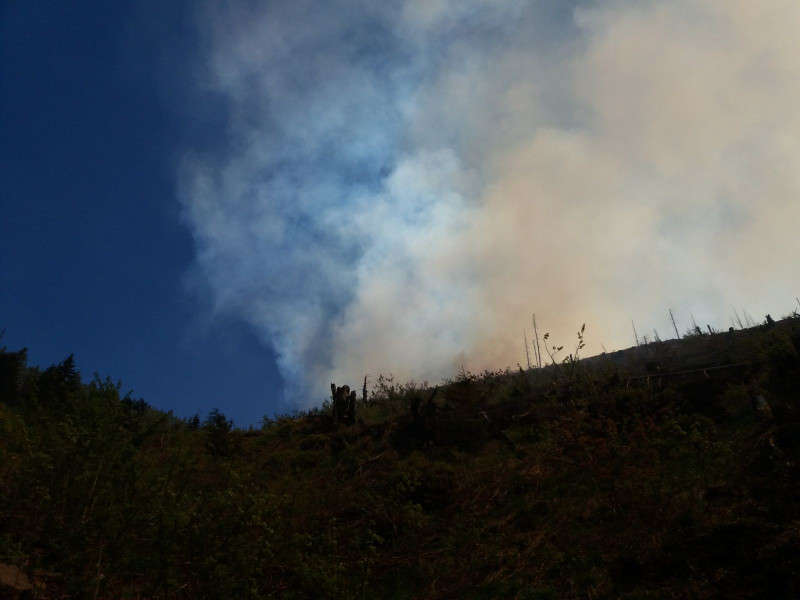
[{"x": 670, "y": 470}]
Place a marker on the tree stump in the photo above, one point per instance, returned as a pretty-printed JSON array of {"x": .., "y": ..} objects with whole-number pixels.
[{"x": 344, "y": 404}]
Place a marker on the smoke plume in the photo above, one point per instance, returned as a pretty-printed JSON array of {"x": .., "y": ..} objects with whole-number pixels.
[{"x": 403, "y": 184}]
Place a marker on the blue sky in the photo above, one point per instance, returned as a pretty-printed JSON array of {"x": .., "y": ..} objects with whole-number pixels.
[
  {"x": 93, "y": 253},
  {"x": 232, "y": 204}
]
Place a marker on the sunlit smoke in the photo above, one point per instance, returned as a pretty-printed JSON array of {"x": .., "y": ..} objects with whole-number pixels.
[{"x": 401, "y": 188}]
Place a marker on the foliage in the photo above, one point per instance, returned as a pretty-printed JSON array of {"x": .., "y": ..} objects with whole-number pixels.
[{"x": 632, "y": 476}]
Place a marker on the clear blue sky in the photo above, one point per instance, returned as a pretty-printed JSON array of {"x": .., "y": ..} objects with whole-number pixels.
[{"x": 93, "y": 255}]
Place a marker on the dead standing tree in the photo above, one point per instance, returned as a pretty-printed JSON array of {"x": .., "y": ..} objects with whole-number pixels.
[{"x": 344, "y": 404}]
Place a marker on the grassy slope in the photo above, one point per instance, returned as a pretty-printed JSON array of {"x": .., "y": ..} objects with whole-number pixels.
[{"x": 620, "y": 476}]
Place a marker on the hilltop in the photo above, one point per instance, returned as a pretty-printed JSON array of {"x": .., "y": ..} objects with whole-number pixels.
[{"x": 668, "y": 470}]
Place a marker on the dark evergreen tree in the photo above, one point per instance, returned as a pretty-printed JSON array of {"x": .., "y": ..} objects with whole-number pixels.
[
  {"x": 12, "y": 369},
  {"x": 218, "y": 427}
]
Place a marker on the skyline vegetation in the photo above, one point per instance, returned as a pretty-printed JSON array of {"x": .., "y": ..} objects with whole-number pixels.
[{"x": 656, "y": 472}]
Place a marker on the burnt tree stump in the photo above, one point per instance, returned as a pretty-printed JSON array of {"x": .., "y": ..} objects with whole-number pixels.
[{"x": 344, "y": 404}]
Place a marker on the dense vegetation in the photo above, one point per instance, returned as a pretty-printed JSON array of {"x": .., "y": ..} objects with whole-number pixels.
[{"x": 644, "y": 474}]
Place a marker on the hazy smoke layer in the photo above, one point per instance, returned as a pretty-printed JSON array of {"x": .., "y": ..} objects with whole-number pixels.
[{"x": 402, "y": 187}]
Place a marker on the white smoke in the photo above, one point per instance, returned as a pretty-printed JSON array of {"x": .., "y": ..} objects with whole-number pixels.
[{"x": 402, "y": 187}]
